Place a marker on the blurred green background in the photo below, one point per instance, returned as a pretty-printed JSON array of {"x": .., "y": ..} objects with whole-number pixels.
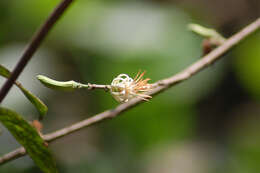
[{"x": 208, "y": 124}]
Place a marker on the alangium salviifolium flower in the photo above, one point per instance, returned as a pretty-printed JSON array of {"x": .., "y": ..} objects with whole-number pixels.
[{"x": 124, "y": 88}]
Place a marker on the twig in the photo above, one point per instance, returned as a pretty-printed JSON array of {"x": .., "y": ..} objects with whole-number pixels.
[
  {"x": 19, "y": 152},
  {"x": 159, "y": 87},
  {"x": 33, "y": 46},
  {"x": 95, "y": 86},
  {"x": 69, "y": 85}
]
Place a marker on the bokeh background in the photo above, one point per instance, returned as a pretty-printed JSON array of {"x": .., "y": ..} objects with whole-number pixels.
[{"x": 208, "y": 124}]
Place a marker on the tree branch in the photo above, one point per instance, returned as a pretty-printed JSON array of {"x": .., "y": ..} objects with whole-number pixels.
[
  {"x": 33, "y": 46},
  {"x": 159, "y": 87}
]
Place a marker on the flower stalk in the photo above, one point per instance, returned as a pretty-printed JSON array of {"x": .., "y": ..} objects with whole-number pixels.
[{"x": 123, "y": 88}]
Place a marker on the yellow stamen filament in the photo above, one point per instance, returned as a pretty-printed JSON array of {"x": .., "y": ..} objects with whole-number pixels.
[{"x": 124, "y": 88}]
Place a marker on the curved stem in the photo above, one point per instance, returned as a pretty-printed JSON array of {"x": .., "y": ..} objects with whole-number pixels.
[{"x": 159, "y": 87}]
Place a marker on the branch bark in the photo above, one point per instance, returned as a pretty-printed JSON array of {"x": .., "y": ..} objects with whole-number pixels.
[
  {"x": 159, "y": 87},
  {"x": 33, "y": 46}
]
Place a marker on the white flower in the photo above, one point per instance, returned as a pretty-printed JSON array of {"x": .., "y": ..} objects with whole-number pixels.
[{"x": 124, "y": 88}]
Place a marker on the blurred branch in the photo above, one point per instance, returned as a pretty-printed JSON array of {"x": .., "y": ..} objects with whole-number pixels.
[
  {"x": 159, "y": 87},
  {"x": 19, "y": 152},
  {"x": 33, "y": 46},
  {"x": 212, "y": 38}
]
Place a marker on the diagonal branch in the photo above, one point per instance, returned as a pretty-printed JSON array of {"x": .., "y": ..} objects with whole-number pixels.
[
  {"x": 33, "y": 46},
  {"x": 159, "y": 87}
]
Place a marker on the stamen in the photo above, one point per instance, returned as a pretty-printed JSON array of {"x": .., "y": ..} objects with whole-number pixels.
[{"x": 124, "y": 88}]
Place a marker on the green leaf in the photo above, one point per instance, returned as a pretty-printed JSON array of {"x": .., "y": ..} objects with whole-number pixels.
[
  {"x": 29, "y": 138},
  {"x": 4, "y": 72},
  {"x": 207, "y": 32},
  {"x": 60, "y": 85},
  {"x": 40, "y": 106}
]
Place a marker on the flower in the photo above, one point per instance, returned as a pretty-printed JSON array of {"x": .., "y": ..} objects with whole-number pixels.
[{"x": 124, "y": 88}]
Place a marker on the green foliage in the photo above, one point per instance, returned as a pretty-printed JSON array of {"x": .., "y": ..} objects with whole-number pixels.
[
  {"x": 40, "y": 106},
  {"x": 101, "y": 39},
  {"x": 244, "y": 140},
  {"x": 247, "y": 63},
  {"x": 4, "y": 72},
  {"x": 28, "y": 137}
]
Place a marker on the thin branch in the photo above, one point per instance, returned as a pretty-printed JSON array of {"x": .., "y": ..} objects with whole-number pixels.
[
  {"x": 33, "y": 46},
  {"x": 69, "y": 85},
  {"x": 19, "y": 152},
  {"x": 95, "y": 86},
  {"x": 159, "y": 87}
]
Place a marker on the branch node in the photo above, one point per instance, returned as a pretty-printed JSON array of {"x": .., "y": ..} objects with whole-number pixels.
[{"x": 90, "y": 86}]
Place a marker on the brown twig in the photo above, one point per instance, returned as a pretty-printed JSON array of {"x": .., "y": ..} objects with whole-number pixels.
[
  {"x": 33, "y": 46},
  {"x": 159, "y": 87},
  {"x": 95, "y": 86}
]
